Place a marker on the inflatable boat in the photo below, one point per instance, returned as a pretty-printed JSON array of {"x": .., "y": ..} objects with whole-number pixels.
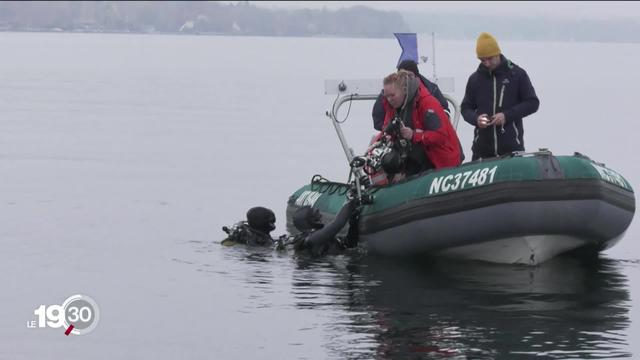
[
  {"x": 521, "y": 208},
  {"x": 525, "y": 208}
]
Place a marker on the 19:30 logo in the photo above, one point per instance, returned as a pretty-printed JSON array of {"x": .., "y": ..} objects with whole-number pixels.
[{"x": 78, "y": 314}]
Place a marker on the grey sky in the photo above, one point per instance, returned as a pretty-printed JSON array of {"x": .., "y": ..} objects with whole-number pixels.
[{"x": 596, "y": 10}]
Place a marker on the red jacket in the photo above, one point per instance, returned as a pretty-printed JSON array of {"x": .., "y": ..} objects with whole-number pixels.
[{"x": 432, "y": 128}]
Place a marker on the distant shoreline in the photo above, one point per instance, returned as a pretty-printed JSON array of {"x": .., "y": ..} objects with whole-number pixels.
[
  {"x": 439, "y": 36},
  {"x": 248, "y": 19}
]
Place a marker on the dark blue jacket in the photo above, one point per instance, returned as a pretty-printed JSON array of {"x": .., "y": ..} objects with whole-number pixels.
[
  {"x": 378, "y": 111},
  {"x": 508, "y": 90}
]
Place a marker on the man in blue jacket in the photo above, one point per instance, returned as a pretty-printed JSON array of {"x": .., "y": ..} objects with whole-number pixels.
[{"x": 498, "y": 96}]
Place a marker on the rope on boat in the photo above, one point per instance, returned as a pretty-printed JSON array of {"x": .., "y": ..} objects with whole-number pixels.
[{"x": 322, "y": 185}]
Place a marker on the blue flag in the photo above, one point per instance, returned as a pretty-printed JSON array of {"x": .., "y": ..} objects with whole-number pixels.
[{"x": 409, "y": 44}]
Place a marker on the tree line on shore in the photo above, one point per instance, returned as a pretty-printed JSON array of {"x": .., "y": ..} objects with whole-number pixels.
[
  {"x": 242, "y": 18},
  {"x": 245, "y": 18}
]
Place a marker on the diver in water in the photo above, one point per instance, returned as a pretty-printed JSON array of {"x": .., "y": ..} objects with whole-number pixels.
[
  {"x": 255, "y": 231},
  {"x": 314, "y": 238},
  {"x": 318, "y": 239}
]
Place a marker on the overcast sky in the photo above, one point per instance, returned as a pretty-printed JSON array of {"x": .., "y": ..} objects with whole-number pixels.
[{"x": 597, "y": 10}]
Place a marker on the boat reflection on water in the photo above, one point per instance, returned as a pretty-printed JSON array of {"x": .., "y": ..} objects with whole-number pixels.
[{"x": 444, "y": 309}]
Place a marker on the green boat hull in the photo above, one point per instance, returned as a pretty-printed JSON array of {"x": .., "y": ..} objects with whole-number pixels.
[{"x": 518, "y": 209}]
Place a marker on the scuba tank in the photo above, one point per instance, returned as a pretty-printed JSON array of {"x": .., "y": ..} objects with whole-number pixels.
[{"x": 242, "y": 233}]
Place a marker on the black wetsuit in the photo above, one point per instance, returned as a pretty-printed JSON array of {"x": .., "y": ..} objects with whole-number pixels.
[
  {"x": 316, "y": 241},
  {"x": 324, "y": 241},
  {"x": 242, "y": 233}
]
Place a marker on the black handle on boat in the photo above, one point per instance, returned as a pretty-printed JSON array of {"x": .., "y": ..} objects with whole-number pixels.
[{"x": 358, "y": 162}]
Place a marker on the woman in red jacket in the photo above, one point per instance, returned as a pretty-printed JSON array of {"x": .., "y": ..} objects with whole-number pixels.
[{"x": 424, "y": 121}]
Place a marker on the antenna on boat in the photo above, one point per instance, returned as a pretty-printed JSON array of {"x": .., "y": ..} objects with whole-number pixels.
[
  {"x": 446, "y": 84},
  {"x": 433, "y": 56}
]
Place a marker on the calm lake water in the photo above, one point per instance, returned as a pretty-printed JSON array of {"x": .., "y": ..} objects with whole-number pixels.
[{"x": 122, "y": 156}]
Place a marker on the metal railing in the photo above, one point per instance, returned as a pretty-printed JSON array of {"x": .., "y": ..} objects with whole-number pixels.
[{"x": 333, "y": 115}]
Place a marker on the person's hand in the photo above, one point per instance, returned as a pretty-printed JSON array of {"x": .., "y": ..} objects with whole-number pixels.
[
  {"x": 483, "y": 121},
  {"x": 406, "y": 132},
  {"x": 497, "y": 119}
]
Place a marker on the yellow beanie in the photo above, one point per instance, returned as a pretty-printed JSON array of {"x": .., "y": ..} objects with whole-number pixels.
[{"x": 487, "y": 46}]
